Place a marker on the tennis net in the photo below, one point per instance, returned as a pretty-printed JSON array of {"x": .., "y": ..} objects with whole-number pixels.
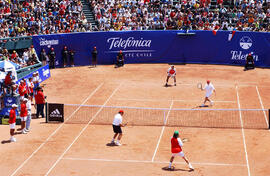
[{"x": 208, "y": 118}]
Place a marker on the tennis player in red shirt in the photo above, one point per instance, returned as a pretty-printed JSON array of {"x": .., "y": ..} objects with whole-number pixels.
[
  {"x": 176, "y": 149},
  {"x": 12, "y": 122},
  {"x": 171, "y": 73}
]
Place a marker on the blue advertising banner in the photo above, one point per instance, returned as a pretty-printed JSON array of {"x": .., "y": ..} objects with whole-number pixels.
[
  {"x": 205, "y": 47},
  {"x": 5, "y": 112},
  {"x": 9, "y": 101},
  {"x": 44, "y": 73}
]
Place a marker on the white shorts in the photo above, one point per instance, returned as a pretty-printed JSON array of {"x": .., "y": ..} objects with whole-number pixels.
[
  {"x": 178, "y": 154},
  {"x": 12, "y": 125},
  {"x": 171, "y": 75},
  {"x": 208, "y": 95},
  {"x": 23, "y": 118}
]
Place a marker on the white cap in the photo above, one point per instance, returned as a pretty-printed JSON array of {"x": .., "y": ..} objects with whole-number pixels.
[
  {"x": 14, "y": 106},
  {"x": 25, "y": 99}
]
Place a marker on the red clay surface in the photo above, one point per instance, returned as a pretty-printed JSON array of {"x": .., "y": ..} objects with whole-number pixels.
[{"x": 80, "y": 149}]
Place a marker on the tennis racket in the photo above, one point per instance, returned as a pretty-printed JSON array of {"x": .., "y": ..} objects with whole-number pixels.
[{"x": 199, "y": 86}]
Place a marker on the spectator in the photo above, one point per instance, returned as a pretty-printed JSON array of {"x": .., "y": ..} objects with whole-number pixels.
[
  {"x": 65, "y": 56},
  {"x": 23, "y": 115},
  {"x": 52, "y": 58},
  {"x": 22, "y": 89},
  {"x": 94, "y": 57},
  {"x": 7, "y": 83},
  {"x": 30, "y": 87},
  {"x": 28, "y": 119},
  {"x": 40, "y": 101},
  {"x": 36, "y": 81},
  {"x": 43, "y": 57}
]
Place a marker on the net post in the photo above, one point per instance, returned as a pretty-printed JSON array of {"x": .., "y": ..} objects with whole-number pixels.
[
  {"x": 46, "y": 112},
  {"x": 269, "y": 119}
]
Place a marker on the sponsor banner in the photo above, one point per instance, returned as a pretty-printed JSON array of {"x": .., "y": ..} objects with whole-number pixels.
[
  {"x": 161, "y": 47},
  {"x": 9, "y": 101},
  {"x": 5, "y": 112},
  {"x": 55, "y": 112},
  {"x": 44, "y": 73}
]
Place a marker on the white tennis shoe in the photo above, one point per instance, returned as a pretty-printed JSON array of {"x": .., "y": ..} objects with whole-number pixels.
[
  {"x": 118, "y": 143},
  {"x": 12, "y": 139}
]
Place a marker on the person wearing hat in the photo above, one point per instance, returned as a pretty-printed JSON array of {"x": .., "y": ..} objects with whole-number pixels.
[
  {"x": 40, "y": 102},
  {"x": 117, "y": 124},
  {"x": 249, "y": 62},
  {"x": 94, "y": 57},
  {"x": 52, "y": 56},
  {"x": 12, "y": 122},
  {"x": 23, "y": 114},
  {"x": 209, "y": 89},
  {"x": 65, "y": 56},
  {"x": 176, "y": 149},
  {"x": 120, "y": 59},
  {"x": 171, "y": 73}
]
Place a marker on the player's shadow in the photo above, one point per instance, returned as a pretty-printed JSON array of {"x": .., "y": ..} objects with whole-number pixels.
[
  {"x": 168, "y": 85},
  {"x": 91, "y": 66},
  {"x": 174, "y": 169},
  {"x": 113, "y": 145},
  {"x": 5, "y": 141}
]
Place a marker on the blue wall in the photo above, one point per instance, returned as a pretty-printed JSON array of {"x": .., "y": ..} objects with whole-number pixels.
[{"x": 161, "y": 47}]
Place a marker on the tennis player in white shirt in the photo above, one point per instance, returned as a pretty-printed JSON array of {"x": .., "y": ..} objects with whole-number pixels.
[
  {"x": 117, "y": 124},
  {"x": 209, "y": 89}
]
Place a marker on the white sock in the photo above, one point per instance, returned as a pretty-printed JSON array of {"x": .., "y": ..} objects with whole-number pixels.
[
  {"x": 170, "y": 164},
  {"x": 190, "y": 166}
]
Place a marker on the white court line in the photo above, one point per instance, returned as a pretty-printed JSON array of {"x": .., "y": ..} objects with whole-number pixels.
[
  {"x": 265, "y": 116},
  {"x": 162, "y": 131},
  {"x": 55, "y": 131},
  {"x": 148, "y": 161},
  {"x": 243, "y": 131},
  {"x": 137, "y": 99},
  {"x": 61, "y": 156}
]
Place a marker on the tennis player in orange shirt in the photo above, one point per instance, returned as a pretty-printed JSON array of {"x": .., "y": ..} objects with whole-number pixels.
[
  {"x": 176, "y": 149},
  {"x": 171, "y": 73}
]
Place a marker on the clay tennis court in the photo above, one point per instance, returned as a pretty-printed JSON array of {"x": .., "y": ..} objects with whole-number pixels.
[{"x": 81, "y": 148}]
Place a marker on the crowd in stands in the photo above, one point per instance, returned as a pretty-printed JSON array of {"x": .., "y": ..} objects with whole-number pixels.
[
  {"x": 243, "y": 15},
  {"x": 23, "y": 59},
  {"x": 31, "y": 17}
]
